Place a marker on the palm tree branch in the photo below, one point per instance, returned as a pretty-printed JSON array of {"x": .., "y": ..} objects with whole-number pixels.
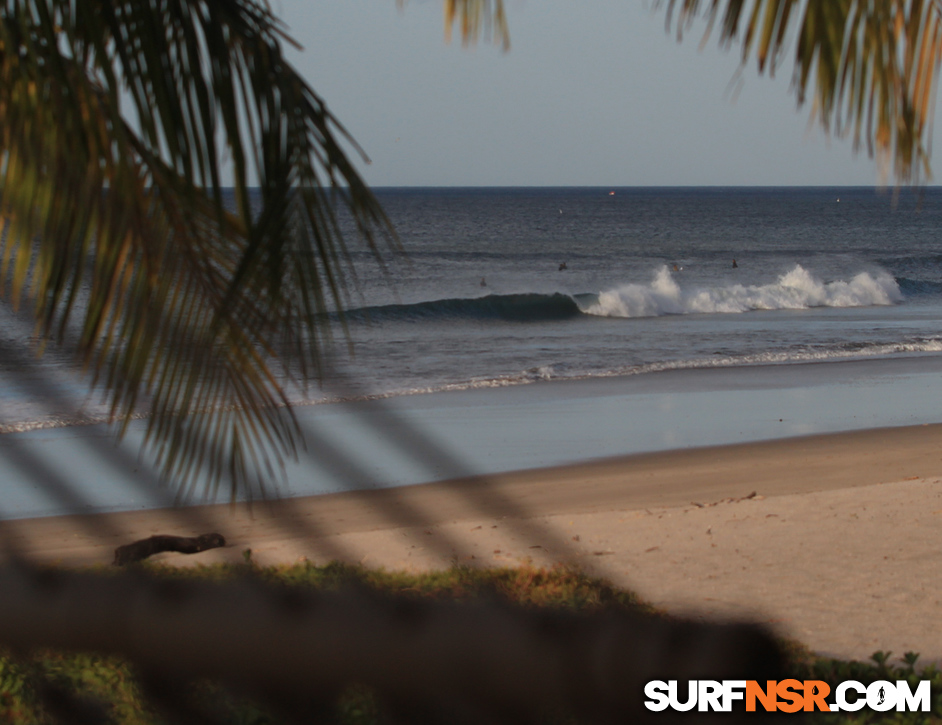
[
  {"x": 120, "y": 235},
  {"x": 869, "y": 66}
]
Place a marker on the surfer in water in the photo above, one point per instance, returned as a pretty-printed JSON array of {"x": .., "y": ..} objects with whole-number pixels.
[
  {"x": 734, "y": 264},
  {"x": 483, "y": 282},
  {"x": 563, "y": 266}
]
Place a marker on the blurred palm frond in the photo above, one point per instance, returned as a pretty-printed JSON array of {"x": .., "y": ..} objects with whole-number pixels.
[
  {"x": 179, "y": 295},
  {"x": 869, "y": 66},
  {"x": 476, "y": 19}
]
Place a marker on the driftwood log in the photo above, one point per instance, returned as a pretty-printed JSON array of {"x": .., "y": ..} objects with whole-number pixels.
[
  {"x": 140, "y": 550},
  {"x": 431, "y": 661}
]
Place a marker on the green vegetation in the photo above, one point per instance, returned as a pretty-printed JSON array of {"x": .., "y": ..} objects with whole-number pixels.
[
  {"x": 111, "y": 689},
  {"x": 190, "y": 304},
  {"x": 806, "y": 666}
]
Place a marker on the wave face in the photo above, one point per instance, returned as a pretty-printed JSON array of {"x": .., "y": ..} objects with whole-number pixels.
[
  {"x": 539, "y": 249},
  {"x": 918, "y": 287},
  {"x": 529, "y": 307},
  {"x": 798, "y": 289}
]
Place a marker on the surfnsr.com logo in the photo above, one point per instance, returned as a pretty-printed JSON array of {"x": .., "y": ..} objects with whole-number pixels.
[{"x": 786, "y": 696}]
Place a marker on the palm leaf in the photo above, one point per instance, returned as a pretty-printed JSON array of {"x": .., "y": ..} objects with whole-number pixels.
[
  {"x": 475, "y": 19},
  {"x": 118, "y": 233},
  {"x": 869, "y": 66}
]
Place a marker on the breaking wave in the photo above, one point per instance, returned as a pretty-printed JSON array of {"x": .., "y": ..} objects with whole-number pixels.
[{"x": 798, "y": 289}]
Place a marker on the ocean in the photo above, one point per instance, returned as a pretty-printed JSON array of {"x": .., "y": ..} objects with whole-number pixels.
[
  {"x": 515, "y": 286},
  {"x": 531, "y": 327}
]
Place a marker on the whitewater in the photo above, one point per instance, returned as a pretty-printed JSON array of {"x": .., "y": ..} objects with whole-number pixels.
[
  {"x": 798, "y": 289},
  {"x": 535, "y": 327},
  {"x": 506, "y": 287},
  {"x": 521, "y": 286}
]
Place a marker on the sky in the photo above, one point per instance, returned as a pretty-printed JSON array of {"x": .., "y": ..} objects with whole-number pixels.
[{"x": 590, "y": 94}]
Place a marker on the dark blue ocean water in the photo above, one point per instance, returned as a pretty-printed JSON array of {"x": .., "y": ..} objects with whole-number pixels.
[
  {"x": 829, "y": 321},
  {"x": 504, "y": 286},
  {"x": 500, "y": 287}
]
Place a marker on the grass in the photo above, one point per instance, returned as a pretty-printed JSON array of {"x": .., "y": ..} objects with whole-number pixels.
[{"x": 109, "y": 689}]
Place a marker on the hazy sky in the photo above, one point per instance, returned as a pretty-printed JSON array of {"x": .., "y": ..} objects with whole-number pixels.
[{"x": 591, "y": 93}]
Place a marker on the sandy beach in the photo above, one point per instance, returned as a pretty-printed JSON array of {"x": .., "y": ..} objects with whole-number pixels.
[{"x": 831, "y": 539}]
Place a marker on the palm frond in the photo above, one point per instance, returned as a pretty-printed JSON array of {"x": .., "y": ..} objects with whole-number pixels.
[
  {"x": 869, "y": 66},
  {"x": 181, "y": 297},
  {"x": 475, "y": 19}
]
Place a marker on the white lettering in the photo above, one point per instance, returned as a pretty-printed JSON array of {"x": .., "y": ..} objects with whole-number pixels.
[
  {"x": 656, "y": 690},
  {"x": 720, "y": 696},
  {"x": 840, "y": 701},
  {"x": 710, "y": 692},
  {"x": 881, "y": 695},
  {"x": 905, "y": 699},
  {"x": 733, "y": 690},
  {"x": 691, "y": 696}
]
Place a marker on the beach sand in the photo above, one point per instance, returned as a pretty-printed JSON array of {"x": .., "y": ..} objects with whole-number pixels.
[{"x": 833, "y": 540}]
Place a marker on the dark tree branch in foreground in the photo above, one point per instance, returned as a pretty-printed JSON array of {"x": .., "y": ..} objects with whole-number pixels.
[{"x": 428, "y": 659}]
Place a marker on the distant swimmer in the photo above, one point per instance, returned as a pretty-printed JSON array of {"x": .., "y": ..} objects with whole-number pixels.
[
  {"x": 734, "y": 264},
  {"x": 483, "y": 282},
  {"x": 563, "y": 266},
  {"x": 676, "y": 268}
]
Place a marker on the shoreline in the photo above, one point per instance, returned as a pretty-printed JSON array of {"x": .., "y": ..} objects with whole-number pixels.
[
  {"x": 836, "y": 548},
  {"x": 661, "y": 479},
  {"x": 400, "y": 441}
]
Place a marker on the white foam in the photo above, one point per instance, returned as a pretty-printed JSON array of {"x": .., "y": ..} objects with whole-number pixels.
[
  {"x": 798, "y": 289},
  {"x": 549, "y": 373}
]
